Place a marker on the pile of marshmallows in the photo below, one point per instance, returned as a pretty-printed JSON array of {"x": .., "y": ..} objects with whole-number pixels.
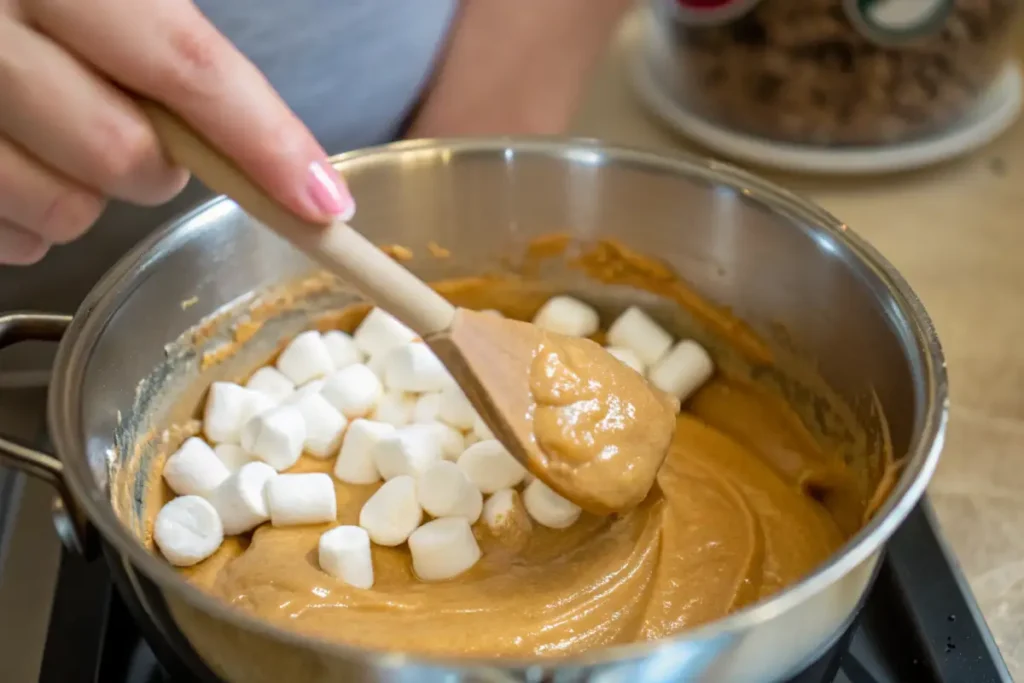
[{"x": 383, "y": 405}]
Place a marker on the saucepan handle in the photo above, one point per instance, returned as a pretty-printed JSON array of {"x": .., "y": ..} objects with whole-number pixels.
[{"x": 72, "y": 526}]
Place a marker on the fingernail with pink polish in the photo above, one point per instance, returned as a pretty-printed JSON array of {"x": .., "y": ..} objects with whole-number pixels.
[{"x": 328, "y": 192}]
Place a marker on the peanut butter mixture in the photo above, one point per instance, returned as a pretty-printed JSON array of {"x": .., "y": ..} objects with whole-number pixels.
[{"x": 745, "y": 503}]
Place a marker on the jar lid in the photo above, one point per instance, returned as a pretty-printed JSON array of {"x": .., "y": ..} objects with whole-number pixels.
[{"x": 891, "y": 22}]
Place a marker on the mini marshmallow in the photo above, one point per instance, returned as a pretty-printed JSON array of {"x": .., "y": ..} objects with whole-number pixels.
[
  {"x": 354, "y": 391},
  {"x": 271, "y": 382},
  {"x": 342, "y": 349},
  {"x": 194, "y": 469},
  {"x": 312, "y": 387},
  {"x": 233, "y": 456},
  {"x": 455, "y": 409},
  {"x": 257, "y": 404},
  {"x": 444, "y": 490},
  {"x": 452, "y": 442},
  {"x": 392, "y": 513},
  {"x": 409, "y": 451},
  {"x": 380, "y": 332},
  {"x": 376, "y": 365},
  {"x": 276, "y": 436},
  {"x": 636, "y": 331},
  {"x": 490, "y": 467},
  {"x": 628, "y": 357},
  {"x": 228, "y": 408},
  {"x": 241, "y": 500},
  {"x": 305, "y": 358},
  {"x": 355, "y": 463},
  {"x": 683, "y": 369},
  {"x": 481, "y": 430},
  {"x": 443, "y": 549},
  {"x": 187, "y": 530},
  {"x": 324, "y": 425},
  {"x": 297, "y": 499},
  {"x": 568, "y": 316},
  {"x": 414, "y": 368},
  {"x": 426, "y": 409},
  {"x": 344, "y": 553},
  {"x": 548, "y": 508},
  {"x": 395, "y": 409},
  {"x": 506, "y": 518}
]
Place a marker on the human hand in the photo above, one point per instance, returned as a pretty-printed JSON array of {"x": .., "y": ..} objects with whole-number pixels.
[{"x": 70, "y": 137}]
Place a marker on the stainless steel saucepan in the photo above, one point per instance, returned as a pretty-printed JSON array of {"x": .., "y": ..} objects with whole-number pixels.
[{"x": 775, "y": 260}]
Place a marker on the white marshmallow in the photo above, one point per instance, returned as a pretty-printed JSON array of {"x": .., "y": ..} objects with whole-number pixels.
[
  {"x": 354, "y": 391},
  {"x": 187, "y": 530},
  {"x": 233, "y": 456},
  {"x": 355, "y": 463},
  {"x": 548, "y": 508},
  {"x": 455, "y": 409},
  {"x": 312, "y": 387},
  {"x": 444, "y": 490},
  {"x": 257, "y": 404},
  {"x": 241, "y": 500},
  {"x": 443, "y": 549},
  {"x": 305, "y": 358},
  {"x": 636, "y": 331},
  {"x": 344, "y": 553},
  {"x": 453, "y": 443},
  {"x": 297, "y": 499},
  {"x": 380, "y": 332},
  {"x": 276, "y": 436},
  {"x": 392, "y": 513},
  {"x": 481, "y": 430},
  {"x": 628, "y": 357},
  {"x": 493, "y": 311},
  {"x": 427, "y": 408},
  {"x": 194, "y": 469},
  {"x": 683, "y": 369},
  {"x": 395, "y": 409},
  {"x": 568, "y": 316},
  {"x": 409, "y": 451},
  {"x": 324, "y": 425},
  {"x": 228, "y": 408},
  {"x": 272, "y": 382},
  {"x": 376, "y": 365},
  {"x": 342, "y": 349},
  {"x": 506, "y": 517},
  {"x": 414, "y": 368},
  {"x": 490, "y": 467}
]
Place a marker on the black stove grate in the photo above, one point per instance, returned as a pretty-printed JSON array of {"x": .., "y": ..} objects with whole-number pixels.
[{"x": 920, "y": 624}]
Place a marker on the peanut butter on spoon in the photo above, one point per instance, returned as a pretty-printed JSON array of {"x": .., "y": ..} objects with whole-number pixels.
[{"x": 582, "y": 421}]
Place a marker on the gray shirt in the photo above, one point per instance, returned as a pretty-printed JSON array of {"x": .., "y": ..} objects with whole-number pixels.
[{"x": 351, "y": 69}]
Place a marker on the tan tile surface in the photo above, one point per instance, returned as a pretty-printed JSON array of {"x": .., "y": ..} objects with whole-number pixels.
[{"x": 956, "y": 232}]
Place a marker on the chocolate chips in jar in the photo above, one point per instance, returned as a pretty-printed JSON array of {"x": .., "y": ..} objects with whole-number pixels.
[{"x": 830, "y": 72}]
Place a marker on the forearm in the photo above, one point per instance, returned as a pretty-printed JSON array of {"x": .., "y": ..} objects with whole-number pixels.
[{"x": 516, "y": 66}]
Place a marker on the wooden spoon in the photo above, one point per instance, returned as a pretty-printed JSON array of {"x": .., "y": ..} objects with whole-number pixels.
[{"x": 490, "y": 357}]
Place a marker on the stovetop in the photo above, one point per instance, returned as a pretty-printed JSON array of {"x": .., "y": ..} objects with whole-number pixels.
[{"x": 920, "y": 623}]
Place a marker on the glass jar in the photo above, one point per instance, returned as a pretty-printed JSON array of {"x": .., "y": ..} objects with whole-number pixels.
[{"x": 829, "y": 72}]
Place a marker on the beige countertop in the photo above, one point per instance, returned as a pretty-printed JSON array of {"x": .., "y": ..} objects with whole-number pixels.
[{"x": 956, "y": 232}]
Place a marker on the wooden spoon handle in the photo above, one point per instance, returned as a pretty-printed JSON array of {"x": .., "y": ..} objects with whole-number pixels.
[{"x": 337, "y": 247}]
